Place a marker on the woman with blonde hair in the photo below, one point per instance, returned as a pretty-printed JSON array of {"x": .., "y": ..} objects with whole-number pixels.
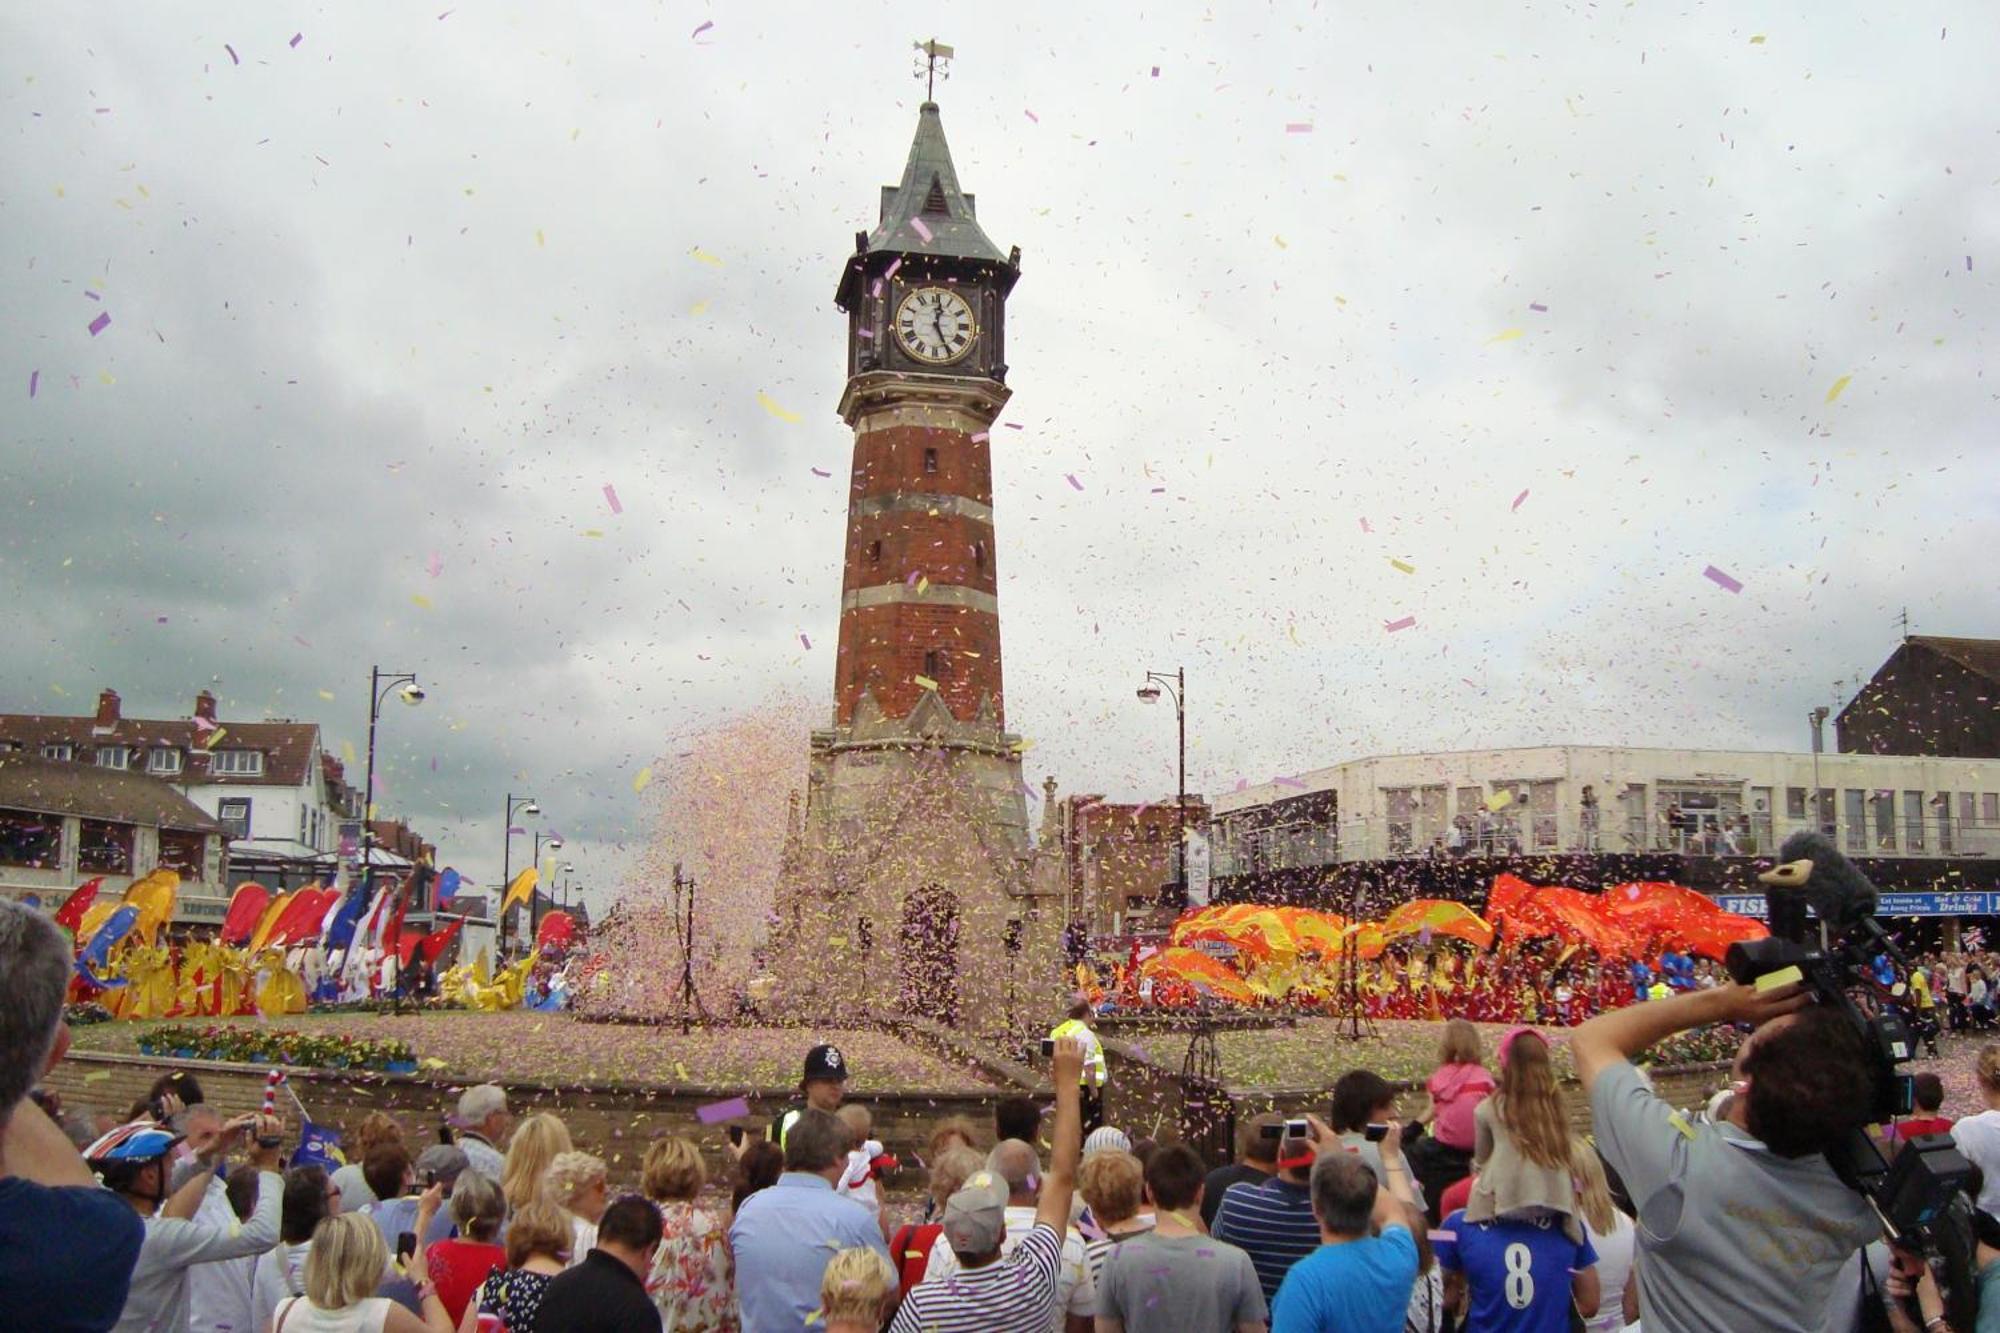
[
  {"x": 1456, "y": 1088},
  {"x": 343, "y": 1267},
  {"x": 1521, "y": 1140},
  {"x": 537, "y": 1250},
  {"x": 910, "y": 1246},
  {"x": 537, "y": 1141},
  {"x": 857, "y": 1291},
  {"x": 458, "y": 1265},
  {"x": 693, "y": 1282},
  {"x": 1612, "y": 1235},
  {"x": 1113, "y": 1184},
  {"x": 576, "y": 1183}
]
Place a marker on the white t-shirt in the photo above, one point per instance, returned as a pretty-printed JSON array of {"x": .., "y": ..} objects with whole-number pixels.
[
  {"x": 1614, "y": 1266},
  {"x": 219, "y": 1293},
  {"x": 302, "y": 1316},
  {"x": 1978, "y": 1137},
  {"x": 279, "y": 1273},
  {"x": 1076, "y": 1293}
]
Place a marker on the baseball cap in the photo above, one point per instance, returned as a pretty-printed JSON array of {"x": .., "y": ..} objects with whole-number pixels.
[
  {"x": 825, "y": 1061},
  {"x": 975, "y": 1218},
  {"x": 442, "y": 1160},
  {"x": 1106, "y": 1138}
]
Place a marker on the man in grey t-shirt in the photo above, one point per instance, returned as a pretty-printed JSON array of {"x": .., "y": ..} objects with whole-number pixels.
[
  {"x": 1174, "y": 1279},
  {"x": 1742, "y": 1224}
]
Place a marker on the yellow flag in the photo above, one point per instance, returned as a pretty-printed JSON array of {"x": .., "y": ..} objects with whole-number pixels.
[
  {"x": 269, "y": 921},
  {"x": 520, "y": 890}
]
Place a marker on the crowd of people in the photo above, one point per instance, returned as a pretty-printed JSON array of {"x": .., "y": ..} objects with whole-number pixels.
[{"x": 1484, "y": 1210}]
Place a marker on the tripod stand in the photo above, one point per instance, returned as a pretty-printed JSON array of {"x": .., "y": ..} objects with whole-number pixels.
[
  {"x": 1355, "y": 1021},
  {"x": 684, "y": 928}
]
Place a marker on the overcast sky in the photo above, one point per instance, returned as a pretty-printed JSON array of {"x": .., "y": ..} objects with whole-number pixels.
[{"x": 1307, "y": 290}]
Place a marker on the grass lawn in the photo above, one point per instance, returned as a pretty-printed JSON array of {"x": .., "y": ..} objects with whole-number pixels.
[{"x": 527, "y": 1046}]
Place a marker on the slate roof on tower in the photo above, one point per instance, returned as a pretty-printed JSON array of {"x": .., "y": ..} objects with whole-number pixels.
[{"x": 929, "y": 196}]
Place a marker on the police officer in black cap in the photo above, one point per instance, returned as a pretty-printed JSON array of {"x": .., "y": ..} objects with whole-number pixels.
[{"x": 824, "y": 1083}]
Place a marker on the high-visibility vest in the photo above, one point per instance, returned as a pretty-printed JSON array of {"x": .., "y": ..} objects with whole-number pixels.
[{"x": 1094, "y": 1069}]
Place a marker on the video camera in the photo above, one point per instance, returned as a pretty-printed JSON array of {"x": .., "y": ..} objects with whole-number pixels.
[{"x": 1923, "y": 1196}]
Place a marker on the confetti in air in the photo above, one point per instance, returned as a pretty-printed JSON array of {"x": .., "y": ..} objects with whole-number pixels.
[
  {"x": 611, "y": 498},
  {"x": 1721, "y": 580},
  {"x": 1839, "y": 387},
  {"x": 1393, "y": 625},
  {"x": 232, "y": 53},
  {"x": 1071, "y": 477},
  {"x": 101, "y": 323},
  {"x": 1518, "y": 499},
  {"x": 770, "y": 404},
  {"x": 642, "y": 779}
]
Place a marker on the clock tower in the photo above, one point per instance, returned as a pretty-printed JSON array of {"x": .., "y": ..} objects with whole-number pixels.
[{"x": 906, "y": 883}]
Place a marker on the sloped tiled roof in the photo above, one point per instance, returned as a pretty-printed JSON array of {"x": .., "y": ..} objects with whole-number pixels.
[
  {"x": 1979, "y": 656},
  {"x": 927, "y": 214},
  {"x": 289, "y": 748},
  {"x": 51, "y": 786}
]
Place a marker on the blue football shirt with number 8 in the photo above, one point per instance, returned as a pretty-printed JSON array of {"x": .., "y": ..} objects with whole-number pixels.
[{"x": 1517, "y": 1274}]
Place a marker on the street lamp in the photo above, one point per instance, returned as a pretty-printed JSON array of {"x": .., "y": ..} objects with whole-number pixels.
[
  {"x": 1175, "y": 685},
  {"x": 379, "y": 685},
  {"x": 1817, "y": 717},
  {"x": 554, "y": 843},
  {"x": 524, "y": 805}
]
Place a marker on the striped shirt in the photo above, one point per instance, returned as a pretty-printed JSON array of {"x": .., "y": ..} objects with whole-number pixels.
[
  {"x": 1015, "y": 1295},
  {"x": 1273, "y": 1222}
]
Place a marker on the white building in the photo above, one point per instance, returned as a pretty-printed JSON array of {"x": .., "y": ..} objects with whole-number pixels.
[
  {"x": 62, "y": 824},
  {"x": 278, "y": 797},
  {"x": 1561, "y": 798}
]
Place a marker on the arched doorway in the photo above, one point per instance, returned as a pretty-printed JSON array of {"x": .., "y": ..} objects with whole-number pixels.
[{"x": 929, "y": 961}]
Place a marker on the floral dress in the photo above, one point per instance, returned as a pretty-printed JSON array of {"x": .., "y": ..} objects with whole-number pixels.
[
  {"x": 515, "y": 1295},
  {"x": 692, "y": 1282}
]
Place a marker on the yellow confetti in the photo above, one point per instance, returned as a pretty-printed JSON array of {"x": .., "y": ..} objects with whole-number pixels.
[
  {"x": 97, "y": 1076},
  {"x": 641, "y": 778},
  {"x": 926, "y": 683},
  {"x": 347, "y": 752},
  {"x": 1281, "y": 242},
  {"x": 1839, "y": 386},
  {"x": 59, "y": 689},
  {"x": 327, "y": 695},
  {"x": 421, "y": 600},
  {"x": 770, "y": 404},
  {"x": 698, "y": 308},
  {"x": 681, "y": 1070},
  {"x": 1500, "y": 800},
  {"x": 1784, "y": 976},
  {"x": 1406, "y": 568},
  {"x": 1023, "y": 745},
  {"x": 923, "y": 584},
  {"x": 1679, "y": 1121},
  {"x": 1758, "y": 40},
  {"x": 214, "y": 737},
  {"x": 836, "y": 941},
  {"x": 1506, "y": 336},
  {"x": 706, "y": 258},
  {"x": 539, "y": 238},
  {"x": 431, "y": 1062},
  {"x": 593, "y": 532},
  {"x": 104, "y": 377}
]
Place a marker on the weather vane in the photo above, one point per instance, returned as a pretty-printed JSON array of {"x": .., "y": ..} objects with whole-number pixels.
[{"x": 933, "y": 62}]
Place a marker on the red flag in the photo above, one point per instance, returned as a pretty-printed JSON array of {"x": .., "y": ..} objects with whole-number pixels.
[
  {"x": 70, "y": 915},
  {"x": 435, "y": 942},
  {"x": 392, "y": 932},
  {"x": 246, "y": 909}
]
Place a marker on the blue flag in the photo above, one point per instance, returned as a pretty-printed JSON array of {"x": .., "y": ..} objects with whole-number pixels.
[
  {"x": 319, "y": 1145},
  {"x": 447, "y": 887},
  {"x": 341, "y": 933}
]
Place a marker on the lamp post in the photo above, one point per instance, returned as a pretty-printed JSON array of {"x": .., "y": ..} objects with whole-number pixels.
[
  {"x": 554, "y": 844},
  {"x": 412, "y": 694},
  {"x": 1176, "y": 685},
  {"x": 1817, "y": 717},
  {"x": 515, "y": 805}
]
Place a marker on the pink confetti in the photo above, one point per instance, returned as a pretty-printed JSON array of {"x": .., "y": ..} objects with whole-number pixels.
[
  {"x": 435, "y": 565},
  {"x": 611, "y": 498},
  {"x": 1517, "y": 499},
  {"x": 1393, "y": 625},
  {"x": 297, "y": 37},
  {"x": 1299, "y": 127},
  {"x": 706, "y": 25},
  {"x": 93, "y": 296},
  {"x": 295, "y": 639},
  {"x": 807, "y": 642},
  {"x": 447, "y": 14},
  {"x": 34, "y": 380},
  {"x": 917, "y": 226},
  {"x": 100, "y": 324},
  {"x": 1013, "y": 425},
  {"x": 716, "y": 1112},
  {"x": 1159, "y": 490},
  {"x": 159, "y": 620},
  {"x": 821, "y": 472},
  {"x": 1364, "y": 525},
  {"x": 1721, "y": 580},
  {"x": 890, "y": 271},
  {"x": 1032, "y": 116},
  {"x": 232, "y": 53},
  {"x": 982, "y": 437},
  {"x": 1156, "y": 71},
  {"x": 1074, "y": 482},
  {"x": 1538, "y": 307},
  {"x": 1293, "y": 783},
  {"x": 911, "y": 581}
]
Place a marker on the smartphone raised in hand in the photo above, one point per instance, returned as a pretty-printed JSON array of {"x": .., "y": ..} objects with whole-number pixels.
[{"x": 1375, "y": 1132}]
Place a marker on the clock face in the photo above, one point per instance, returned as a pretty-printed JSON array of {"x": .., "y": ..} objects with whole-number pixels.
[{"x": 935, "y": 324}]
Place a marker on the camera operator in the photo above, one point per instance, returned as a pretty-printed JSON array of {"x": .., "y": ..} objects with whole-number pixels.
[
  {"x": 1742, "y": 1223},
  {"x": 1910, "y": 1280}
]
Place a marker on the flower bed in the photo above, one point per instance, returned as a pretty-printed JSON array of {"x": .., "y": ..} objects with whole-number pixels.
[{"x": 279, "y": 1046}]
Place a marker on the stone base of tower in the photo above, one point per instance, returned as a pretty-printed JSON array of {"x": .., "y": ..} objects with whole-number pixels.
[{"x": 908, "y": 885}]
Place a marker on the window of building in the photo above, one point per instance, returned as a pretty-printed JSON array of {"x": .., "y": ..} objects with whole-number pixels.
[
  {"x": 933, "y": 664},
  {"x": 183, "y": 852},
  {"x": 1968, "y": 807},
  {"x": 875, "y": 552},
  {"x": 1913, "y": 820},
  {"x": 164, "y": 761},
  {"x": 305, "y": 822},
  {"x": 1795, "y": 802},
  {"x": 930, "y": 460},
  {"x": 1941, "y": 809},
  {"x": 1989, "y": 807},
  {"x": 31, "y": 840},
  {"x": 114, "y": 756},
  {"x": 58, "y": 752},
  {"x": 1400, "y": 802},
  {"x": 1854, "y": 813},
  {"x": 979, "y": 556},
  {"x": 1885, "y": 819},
  {"x": 237, "y": 763},
  {"x": 104, "y": 848},
  {"x": 233, "y": 813}
]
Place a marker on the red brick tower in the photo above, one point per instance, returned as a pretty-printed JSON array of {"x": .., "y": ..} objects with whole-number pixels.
[{"x": 915, "y": 828}]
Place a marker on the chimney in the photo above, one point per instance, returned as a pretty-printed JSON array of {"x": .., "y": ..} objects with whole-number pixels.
[
  {"x": 107, "y": 711},
  {"x": 204, "y": 706}
]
